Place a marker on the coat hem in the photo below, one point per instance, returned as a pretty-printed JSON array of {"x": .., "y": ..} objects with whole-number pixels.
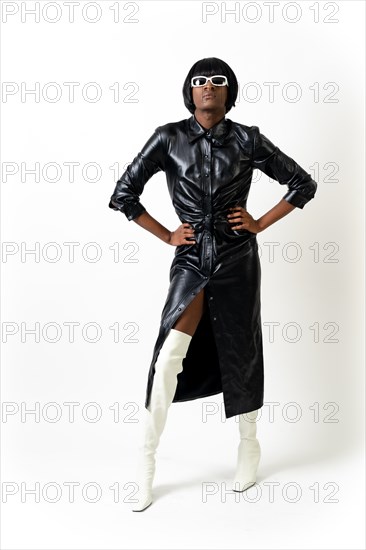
[{"x": 183, "y": 400}]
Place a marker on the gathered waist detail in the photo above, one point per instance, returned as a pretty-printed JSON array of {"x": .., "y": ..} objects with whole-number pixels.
[{"x": 208, "y": 222}]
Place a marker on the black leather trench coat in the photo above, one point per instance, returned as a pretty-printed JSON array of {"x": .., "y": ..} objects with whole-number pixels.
[{"x": 208, "y": 172}]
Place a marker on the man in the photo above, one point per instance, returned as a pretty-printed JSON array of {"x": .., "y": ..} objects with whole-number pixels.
[{"x": 210, "y": 332}]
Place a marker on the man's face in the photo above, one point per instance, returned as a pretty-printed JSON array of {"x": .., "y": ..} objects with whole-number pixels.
[{"x": 209, "y": 97}]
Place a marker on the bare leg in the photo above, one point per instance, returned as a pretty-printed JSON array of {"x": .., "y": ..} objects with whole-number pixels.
[{"x": 191, "y": 316}]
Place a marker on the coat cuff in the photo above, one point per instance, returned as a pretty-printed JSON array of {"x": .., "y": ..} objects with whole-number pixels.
[
  {"x": 131, "y": 210},
  {"x": 295, "y": 198}
]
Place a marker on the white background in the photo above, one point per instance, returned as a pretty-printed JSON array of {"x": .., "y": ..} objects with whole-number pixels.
[{"x": 312, "y": 444}]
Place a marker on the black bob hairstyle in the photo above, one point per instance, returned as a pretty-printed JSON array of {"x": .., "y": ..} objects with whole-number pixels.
[{"x": 210, "y": 66}]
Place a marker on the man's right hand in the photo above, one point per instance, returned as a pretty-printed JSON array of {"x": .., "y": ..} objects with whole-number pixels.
[
  {"x": 175, "y": 238},
  {"x": 181, "y": 234}
]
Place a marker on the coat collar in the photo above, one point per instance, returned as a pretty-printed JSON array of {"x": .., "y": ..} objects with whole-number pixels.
[{"x": 217, "y": 133}]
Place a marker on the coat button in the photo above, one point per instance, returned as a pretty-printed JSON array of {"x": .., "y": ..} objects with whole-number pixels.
[
  {"x": 215, "y": 318},
  {"x": 211, "y": 298}
]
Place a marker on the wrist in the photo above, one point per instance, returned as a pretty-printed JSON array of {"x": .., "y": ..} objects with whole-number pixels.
[{"x": 260, "y": 225}]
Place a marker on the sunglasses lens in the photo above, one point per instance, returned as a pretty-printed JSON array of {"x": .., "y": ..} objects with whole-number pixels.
[
  {"x": 219, "y": 80},
  {"x": 199, "y": 81}
]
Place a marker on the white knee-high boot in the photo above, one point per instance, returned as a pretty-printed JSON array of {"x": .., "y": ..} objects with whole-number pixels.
[
  {"x": 249, "y": 452},
  {"x": 167, "y": 367}
]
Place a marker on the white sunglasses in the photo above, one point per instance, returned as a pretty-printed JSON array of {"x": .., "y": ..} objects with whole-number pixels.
[{"x": 217, "y": 80}]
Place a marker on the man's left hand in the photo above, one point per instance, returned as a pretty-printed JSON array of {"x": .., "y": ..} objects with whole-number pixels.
[{"x": 239, "y": 218}]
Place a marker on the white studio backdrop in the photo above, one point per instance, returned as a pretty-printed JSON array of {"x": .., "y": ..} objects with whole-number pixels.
[{"x": 83, "y": 288}]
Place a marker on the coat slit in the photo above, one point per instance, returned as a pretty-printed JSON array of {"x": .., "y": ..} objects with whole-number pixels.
[{"x": 201, "y": 375}]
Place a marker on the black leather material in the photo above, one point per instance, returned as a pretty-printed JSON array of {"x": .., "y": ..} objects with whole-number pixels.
[{"x": 208, "y": 172}]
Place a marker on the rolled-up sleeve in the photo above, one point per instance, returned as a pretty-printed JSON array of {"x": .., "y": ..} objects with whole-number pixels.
[
  {"x": 277, "y": 165},
  {"x": 149, "y": 161}
]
